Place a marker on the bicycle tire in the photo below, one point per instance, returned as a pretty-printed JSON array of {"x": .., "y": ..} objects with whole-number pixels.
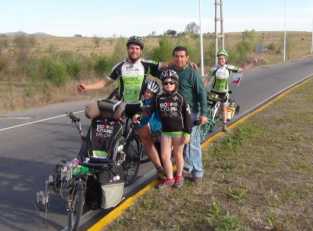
[
  {"x": 77, "y": 205},
  {"x": 144, "y": 158},
  {"x": 133, "y": 150}
]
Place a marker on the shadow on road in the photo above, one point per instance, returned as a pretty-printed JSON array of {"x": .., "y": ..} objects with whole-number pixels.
[{"x": 18, "y": 194}]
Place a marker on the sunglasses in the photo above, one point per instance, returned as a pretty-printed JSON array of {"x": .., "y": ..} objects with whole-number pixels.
[{"x": 168, "y": 83}]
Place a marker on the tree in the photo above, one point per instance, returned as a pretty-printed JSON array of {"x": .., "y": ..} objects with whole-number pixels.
[
  {"x": 192, "y": 28},
  {"x": 170, "y": 32}
]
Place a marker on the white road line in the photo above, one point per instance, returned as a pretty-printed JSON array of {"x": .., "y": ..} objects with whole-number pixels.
[
  {"x": 14, "y": 118},
  {"x": 36, "y": 121}
]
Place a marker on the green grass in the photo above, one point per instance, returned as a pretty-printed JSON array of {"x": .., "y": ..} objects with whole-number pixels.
[{"x": 259, "y": 177}]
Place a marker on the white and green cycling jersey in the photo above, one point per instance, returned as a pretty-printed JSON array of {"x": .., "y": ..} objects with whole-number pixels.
[
  {"x": 132, "y": 77},
  {"x": 221, "y": 75}
]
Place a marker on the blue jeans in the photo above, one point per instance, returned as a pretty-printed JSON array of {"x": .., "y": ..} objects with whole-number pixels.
[{"x": 193, "y": 152}]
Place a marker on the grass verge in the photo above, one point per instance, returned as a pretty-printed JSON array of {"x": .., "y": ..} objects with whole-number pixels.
[{"x": 259, "y": 177}]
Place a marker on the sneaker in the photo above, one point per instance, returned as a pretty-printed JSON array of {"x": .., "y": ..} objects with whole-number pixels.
[
  {"x": 179, "y": 181},
  {"x": 166, "y": 183},
  {"x": 187, "y": 175},
  {"x": 196, "y": 179}
]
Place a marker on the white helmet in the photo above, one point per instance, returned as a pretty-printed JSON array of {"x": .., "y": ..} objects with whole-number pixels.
[
  {"x": 153, "y": 86},
  {"x": 222, "y": 73}
]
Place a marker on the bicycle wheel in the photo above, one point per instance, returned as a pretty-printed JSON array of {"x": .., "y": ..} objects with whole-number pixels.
[
  {"x": 134, "y": 151},
  {"x": 207, "y": 128},
  {"x": 77, "y": 205}
]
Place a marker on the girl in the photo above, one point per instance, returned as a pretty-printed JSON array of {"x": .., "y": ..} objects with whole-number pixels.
[{"x": 175, "y": 117}]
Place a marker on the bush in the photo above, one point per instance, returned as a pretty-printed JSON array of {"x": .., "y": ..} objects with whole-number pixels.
[
  {"x": 271, "y": 46},
  {"x": 164, "y": 51},
  {"x": 48, "y": 69},
  {"x": 72, "y": 62},
  {"x": 54, "y": 71},
  {"x": 3, "y": 62},
  {"x": 210, "y": 54},
  {"x": 119, "y": 51},
  {"x": 102, "y": 65}
]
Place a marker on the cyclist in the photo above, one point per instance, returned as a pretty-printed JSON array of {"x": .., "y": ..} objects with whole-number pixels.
[
  {"x": 131, "y": 73},
  {"x": 148, "y": 121},
  {"x": 175, "y": 117},
  {"x": 221, "y": 76}
]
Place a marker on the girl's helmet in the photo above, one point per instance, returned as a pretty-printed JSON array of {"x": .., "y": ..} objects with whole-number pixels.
[
  {"x": 169, "y": 74},
  {"x": 153, "y": 86}
]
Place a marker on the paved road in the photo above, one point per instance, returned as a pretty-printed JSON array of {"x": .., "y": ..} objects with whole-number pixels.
[{"x": 28, "y": 153}]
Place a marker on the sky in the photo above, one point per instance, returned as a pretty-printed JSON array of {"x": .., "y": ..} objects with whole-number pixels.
[{"x": 141, "y": 17}]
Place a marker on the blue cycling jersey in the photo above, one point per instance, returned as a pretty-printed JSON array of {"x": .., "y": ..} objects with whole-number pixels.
[{"x": 149, "y": 117}]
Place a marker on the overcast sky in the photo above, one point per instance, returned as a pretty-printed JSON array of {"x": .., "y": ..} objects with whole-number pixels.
[{"x": 107, "y": 18}]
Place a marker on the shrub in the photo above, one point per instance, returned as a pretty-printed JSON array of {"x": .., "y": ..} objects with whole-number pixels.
[
  {"x": 48, "y": 69},
  {"x": 102, "y": 65},
  {"x": 119, "y": 51},
  {"x": 55, "y": 72},
  {"x": 271, "y": 46},
  {"x": 164, "y": 51},
  {"x": 3, "y": 62},
  {"x": 72, "y": 62}
]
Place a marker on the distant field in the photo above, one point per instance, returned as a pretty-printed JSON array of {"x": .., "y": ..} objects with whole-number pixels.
[
  {"x": 300, "y": 41},
  {"x": 31, "y": 66}
]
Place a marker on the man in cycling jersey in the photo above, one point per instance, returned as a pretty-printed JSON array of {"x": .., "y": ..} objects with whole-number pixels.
[
  {"x": 131, "y": 74},
  {"x": 192, "y": 89},
  {"x": 220, "y": 85}
]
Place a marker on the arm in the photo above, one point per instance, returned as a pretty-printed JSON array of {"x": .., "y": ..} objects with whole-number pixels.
[
  {"x": 115, "y": 74},
  {"x": 93, "y": 86},
  {"x": 187, "y": 123},
  {"x": 201, "y": 94},
  {"x": 154, "y": 68},
  {"x": 187, "y": 117},
  {"x": 233, "y": 68}
]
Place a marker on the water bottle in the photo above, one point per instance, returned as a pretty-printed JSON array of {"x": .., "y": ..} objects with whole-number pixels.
[{"x": 80, "y": 170}]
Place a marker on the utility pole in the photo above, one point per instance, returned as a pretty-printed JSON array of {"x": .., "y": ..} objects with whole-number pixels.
[
  {"x": 219, "y": 20},
  {"x": 201, "y": 40},
  {"x": 312, "y": 39},
  {"x": 285, "y": 34}
]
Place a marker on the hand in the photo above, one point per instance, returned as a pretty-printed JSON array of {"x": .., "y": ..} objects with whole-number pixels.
[
  {"x": 164, "y": 66},
  {"x": 203, "y": 120},
  {"x": 236, "y": 81},
  {"x": 194, "y": 66},
  {"x": 186, "y": 139},
  {"x": 136, "y": 119},
  {"x": 82, "y": 88}
]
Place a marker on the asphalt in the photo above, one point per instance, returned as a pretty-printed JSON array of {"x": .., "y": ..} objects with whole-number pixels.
[{"x": 29, "y": 152}]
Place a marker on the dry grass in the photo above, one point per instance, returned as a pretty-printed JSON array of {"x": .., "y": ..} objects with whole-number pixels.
[
  {"x": 24, "y": 95},
  {"x": 17, "y": 96},
  {"x": 260, "y": 177}
]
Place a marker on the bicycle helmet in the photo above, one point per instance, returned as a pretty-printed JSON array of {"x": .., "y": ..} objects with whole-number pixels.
[
  {"x": 136, "y": 40},
  {"x": 222, "y": 52},
  {"x": 153, "y": 86},
  {"x": 169, "y": 74}
]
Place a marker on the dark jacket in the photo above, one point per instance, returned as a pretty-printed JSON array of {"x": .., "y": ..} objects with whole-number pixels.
[
  {"x": 174, "y": 112},
  {"x": 192, "y": 88}
]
